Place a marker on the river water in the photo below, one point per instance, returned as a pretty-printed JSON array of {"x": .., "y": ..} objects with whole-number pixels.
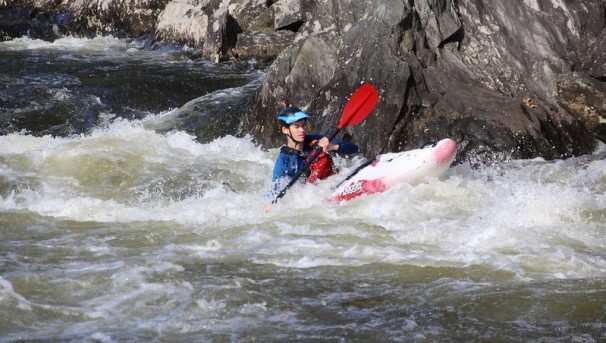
[{"x": 116, "y": 224}]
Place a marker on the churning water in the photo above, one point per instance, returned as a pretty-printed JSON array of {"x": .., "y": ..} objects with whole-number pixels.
[{"x": 115, "y": 227}]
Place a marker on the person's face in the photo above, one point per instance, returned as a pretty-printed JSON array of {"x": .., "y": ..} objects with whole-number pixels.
[{"x": 297, "y": 130}]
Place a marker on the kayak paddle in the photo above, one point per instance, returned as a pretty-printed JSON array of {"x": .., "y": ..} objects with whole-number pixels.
[{"x": 359, "y": 106}]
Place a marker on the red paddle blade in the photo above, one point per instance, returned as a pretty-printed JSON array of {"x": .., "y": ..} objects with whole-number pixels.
[{"x": 359, "y": 106}]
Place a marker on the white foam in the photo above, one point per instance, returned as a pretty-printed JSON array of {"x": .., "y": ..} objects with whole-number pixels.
[
  {"x": 70, "y": 43},
  {"x": 507, "y": 216}
]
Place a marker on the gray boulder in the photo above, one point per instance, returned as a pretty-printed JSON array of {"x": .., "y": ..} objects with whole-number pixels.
[
  {"x": 243, "y": 29},
  {"x": 252, "y": 15},
  {"x": 504, "y": 79}
]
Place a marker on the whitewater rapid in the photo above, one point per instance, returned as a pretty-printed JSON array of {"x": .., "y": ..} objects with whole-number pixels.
[{"x": 526, "y": 217}]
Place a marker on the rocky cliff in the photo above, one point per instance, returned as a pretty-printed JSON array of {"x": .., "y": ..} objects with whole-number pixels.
[{"x": 505, "y": 79}]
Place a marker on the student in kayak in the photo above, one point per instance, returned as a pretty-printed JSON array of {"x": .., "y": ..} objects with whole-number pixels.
[{"x": 299, "y": 144}]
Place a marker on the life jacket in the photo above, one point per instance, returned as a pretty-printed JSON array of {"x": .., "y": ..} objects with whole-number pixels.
[{"x": 322, "y": 168}]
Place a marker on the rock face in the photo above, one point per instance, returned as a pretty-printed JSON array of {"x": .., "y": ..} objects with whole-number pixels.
[
  {"x": 505, "y": 79},
  {"x": 243, "y": 29}
]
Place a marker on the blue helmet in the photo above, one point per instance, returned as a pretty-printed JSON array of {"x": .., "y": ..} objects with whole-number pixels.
[{"x": 290, "y": 115}]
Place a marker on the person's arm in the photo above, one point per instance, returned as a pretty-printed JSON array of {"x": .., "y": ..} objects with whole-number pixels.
[
  {"x": 341, "y": 147},
  {"x": 344, "y": 147}
]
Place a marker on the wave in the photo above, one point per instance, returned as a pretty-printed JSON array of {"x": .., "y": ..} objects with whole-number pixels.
[{"x": 525, "y": 217}]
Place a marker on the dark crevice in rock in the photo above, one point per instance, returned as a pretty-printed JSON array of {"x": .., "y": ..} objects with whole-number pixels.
[
  {"x": 456, "y": 37},
  {"x": 294, "y": 27}
]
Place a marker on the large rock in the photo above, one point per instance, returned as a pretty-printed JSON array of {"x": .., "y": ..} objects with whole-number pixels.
[
  {"x": 183, "y": 22},
  {"x": 504, "y": 79},
  {"x": 252, "y": 15},
  {"x": 585, "y": 98},
  {"x": 51, "y": 19},
  {"x": 221, "y": 36},
  {"x": 244, "y": 29},
  {"x": 25, "y": 19},
  {"x": 202, "y": 24}
]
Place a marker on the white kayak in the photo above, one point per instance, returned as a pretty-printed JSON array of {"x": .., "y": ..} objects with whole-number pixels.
[{"x": 387, "y": 170}]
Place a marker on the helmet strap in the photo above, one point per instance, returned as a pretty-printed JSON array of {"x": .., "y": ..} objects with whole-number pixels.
[{"x": 291, "y": 137}]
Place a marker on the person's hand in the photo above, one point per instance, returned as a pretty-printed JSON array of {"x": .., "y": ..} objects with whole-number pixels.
[{"x": 325, "y": 144}]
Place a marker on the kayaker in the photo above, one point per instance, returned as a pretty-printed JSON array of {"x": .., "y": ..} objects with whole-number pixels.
[{"x": 299, "y": 144}]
